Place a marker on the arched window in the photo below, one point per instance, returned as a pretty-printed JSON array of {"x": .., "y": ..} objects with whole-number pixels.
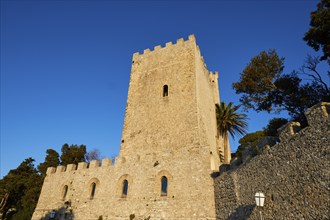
[
  {"x": 165, "y": 90},
  {"x": 163, "y": 186},
  {"x": 93, "y": 190},
  {"x": 125, "y": 188},
  {"x": 65, "y": 192}
]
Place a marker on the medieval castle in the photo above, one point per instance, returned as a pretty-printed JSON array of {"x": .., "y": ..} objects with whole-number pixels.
[{"x": 169, "y": 148}]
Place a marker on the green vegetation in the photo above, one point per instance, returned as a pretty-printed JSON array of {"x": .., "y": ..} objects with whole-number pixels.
[
  {"x": 73, "y": 154},
  {"x": 250, "y": 141},
  {"x": 266, "y": 88},
  {"x": 318, "y": 36},
  {"x": 228, "y": 120},
  {"x": 23, "y": 185},
  {"x": 51, "y": 160},
  {"x": 273, "y": 125}
]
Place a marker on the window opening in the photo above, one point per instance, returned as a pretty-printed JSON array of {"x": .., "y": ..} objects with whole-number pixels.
[
  {"x": 164, "y": 186},
  {"x": 65, "y": 192},
  {"x": 165, "y": 90},
  {"x": 93, "y": 190},
  {"x": 125, "y": 188}
]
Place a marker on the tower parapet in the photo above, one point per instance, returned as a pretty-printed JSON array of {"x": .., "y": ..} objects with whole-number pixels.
[{"x": 137, "y": 55}]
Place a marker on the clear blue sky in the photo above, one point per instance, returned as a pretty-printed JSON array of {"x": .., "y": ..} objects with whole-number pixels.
[{"x": 65, "y": 65}]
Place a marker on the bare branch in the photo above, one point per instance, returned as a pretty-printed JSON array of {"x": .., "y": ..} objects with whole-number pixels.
[{"x": 310, "y": 69}]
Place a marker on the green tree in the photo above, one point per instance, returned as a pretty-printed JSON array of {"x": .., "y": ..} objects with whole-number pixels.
[
  {"x": 265, "y": 88},
  {"x": 73, "y": 154},
  {"x": 251, "y": 139},
  {"x": 51, "y": 160},
  {"x": 229, "y": 121},
  {"x": 273, "y": 125},
  {"x": 257, "y": 79},
  {"x": 318, "y": 35},
  {"x": 23, "y": 185}
]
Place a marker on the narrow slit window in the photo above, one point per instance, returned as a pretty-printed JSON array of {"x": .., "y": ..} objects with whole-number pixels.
[
  {"x": 125, "y": 188},
  {"x": 65, "y": 192},
  {"x": 164, "y": 186},
  {"x": 93, "y": 190},
  {"x": 165, "y": 90}
]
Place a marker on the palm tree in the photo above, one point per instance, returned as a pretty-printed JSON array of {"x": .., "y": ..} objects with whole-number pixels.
[{"x": 229, "y": 121}]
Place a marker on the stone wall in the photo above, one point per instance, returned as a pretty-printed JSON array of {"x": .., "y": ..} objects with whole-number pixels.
[
  {"x": 294, "y": 175},
  {"x": 172, "y": 136}
]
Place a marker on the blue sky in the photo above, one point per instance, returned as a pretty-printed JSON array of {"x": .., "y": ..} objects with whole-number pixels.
[{"x": 65, "y": 65}]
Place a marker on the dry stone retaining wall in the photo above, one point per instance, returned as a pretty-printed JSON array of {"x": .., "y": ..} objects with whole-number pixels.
[{"x": 294, "y": 175}]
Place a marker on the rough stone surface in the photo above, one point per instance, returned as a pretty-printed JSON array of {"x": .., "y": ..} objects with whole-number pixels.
[
  {"x": 294, "y": 175},
  {"x": 173, "y": 136}
]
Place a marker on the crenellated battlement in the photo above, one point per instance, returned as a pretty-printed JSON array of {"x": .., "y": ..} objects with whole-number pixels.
[
  {"x": 107, "y": 162},
  {"x": 161, "y": 56},
  {"x": 191, "y": 38},
  {"x": 94, "y": 164}
]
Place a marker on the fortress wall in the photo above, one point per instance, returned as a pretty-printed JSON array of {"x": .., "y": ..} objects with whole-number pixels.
[
  {"x": 294, "y": 175},
  {"x": 161, "y": 137},
  {"x": 79, "y": 180},
  {"x": 188, "y": 190}
]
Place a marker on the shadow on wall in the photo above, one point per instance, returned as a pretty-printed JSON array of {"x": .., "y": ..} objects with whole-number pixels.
[
  {"x": 242, "y": 212},
  {"x": 63, "y": 213}
]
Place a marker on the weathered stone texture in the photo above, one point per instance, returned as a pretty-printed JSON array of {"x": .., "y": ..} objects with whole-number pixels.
[
  {"x": 173, "y": 136},
  {"x": 294, "y": 175}
]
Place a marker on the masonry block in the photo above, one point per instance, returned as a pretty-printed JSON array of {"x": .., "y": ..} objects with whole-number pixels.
[
  {"x": 82, "y": 165},
  {"x": 71, "y": 167},
  {"x": 94, "y": 164},
  {"x": 50, "y": 170},
  {"x": 60, "y": 169}
]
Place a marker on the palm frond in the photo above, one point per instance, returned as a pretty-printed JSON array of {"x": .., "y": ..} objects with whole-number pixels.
[{"x": 229, "y": 120}]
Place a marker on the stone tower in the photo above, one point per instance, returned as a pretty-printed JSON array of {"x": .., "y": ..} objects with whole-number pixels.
[
  {"x": 170, "y": 106},
  {"x": 169, "y": 147}
]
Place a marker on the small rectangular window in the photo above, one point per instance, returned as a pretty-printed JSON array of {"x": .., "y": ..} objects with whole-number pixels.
[
  {"x": 93, "y": 190},
  {"x": 164, "y": 186},
  {"x": 165, "y": 90},
  {"x": 125, "y": 188}
]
